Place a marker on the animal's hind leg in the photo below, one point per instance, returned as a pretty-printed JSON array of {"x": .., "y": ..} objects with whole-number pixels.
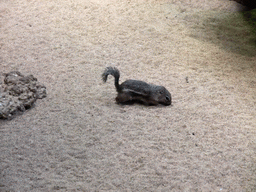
[{"x": 123, "y": 97}]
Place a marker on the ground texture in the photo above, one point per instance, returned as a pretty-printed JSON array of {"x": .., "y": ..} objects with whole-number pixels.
[{"x": 79, "y": 139}]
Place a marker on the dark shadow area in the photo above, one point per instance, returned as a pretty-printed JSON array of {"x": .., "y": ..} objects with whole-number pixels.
[
  {"x": 250, "y": 18},
  {"x": 250, "y": 4},
  {"x": 132, "y": 102},
  {"x": 232, "y": 31}
]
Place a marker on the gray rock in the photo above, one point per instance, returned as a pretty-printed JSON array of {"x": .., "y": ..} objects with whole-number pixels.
[{"x": 18, "y": 93}]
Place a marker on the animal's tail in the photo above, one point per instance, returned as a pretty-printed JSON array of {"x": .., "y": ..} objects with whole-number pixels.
[{"x": 114, "y": 72}]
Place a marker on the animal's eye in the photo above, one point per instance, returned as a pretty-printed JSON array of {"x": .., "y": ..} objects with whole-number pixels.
[{"x": 161, "y": 92}]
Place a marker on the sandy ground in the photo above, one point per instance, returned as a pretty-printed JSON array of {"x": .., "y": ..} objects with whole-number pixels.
[{"x": 79, "y": 139}]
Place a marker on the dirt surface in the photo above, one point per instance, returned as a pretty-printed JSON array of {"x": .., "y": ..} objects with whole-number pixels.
[{"x": 79, "y": 139}]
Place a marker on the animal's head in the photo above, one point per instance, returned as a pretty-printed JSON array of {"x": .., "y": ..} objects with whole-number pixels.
[{"x": 164, "y": 96}]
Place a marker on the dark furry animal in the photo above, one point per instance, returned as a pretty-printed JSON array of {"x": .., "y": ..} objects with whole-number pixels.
[{"x": 138, "y": 91}]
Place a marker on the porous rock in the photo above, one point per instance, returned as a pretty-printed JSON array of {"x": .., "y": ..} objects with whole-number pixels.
[{"x": 18, "y": 93}]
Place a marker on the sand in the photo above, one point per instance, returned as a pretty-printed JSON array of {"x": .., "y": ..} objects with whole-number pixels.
[{"x": 79, "y": 139}]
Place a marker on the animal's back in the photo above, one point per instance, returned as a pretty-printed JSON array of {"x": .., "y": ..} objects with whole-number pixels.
[{"x": 136, "y": 86}]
